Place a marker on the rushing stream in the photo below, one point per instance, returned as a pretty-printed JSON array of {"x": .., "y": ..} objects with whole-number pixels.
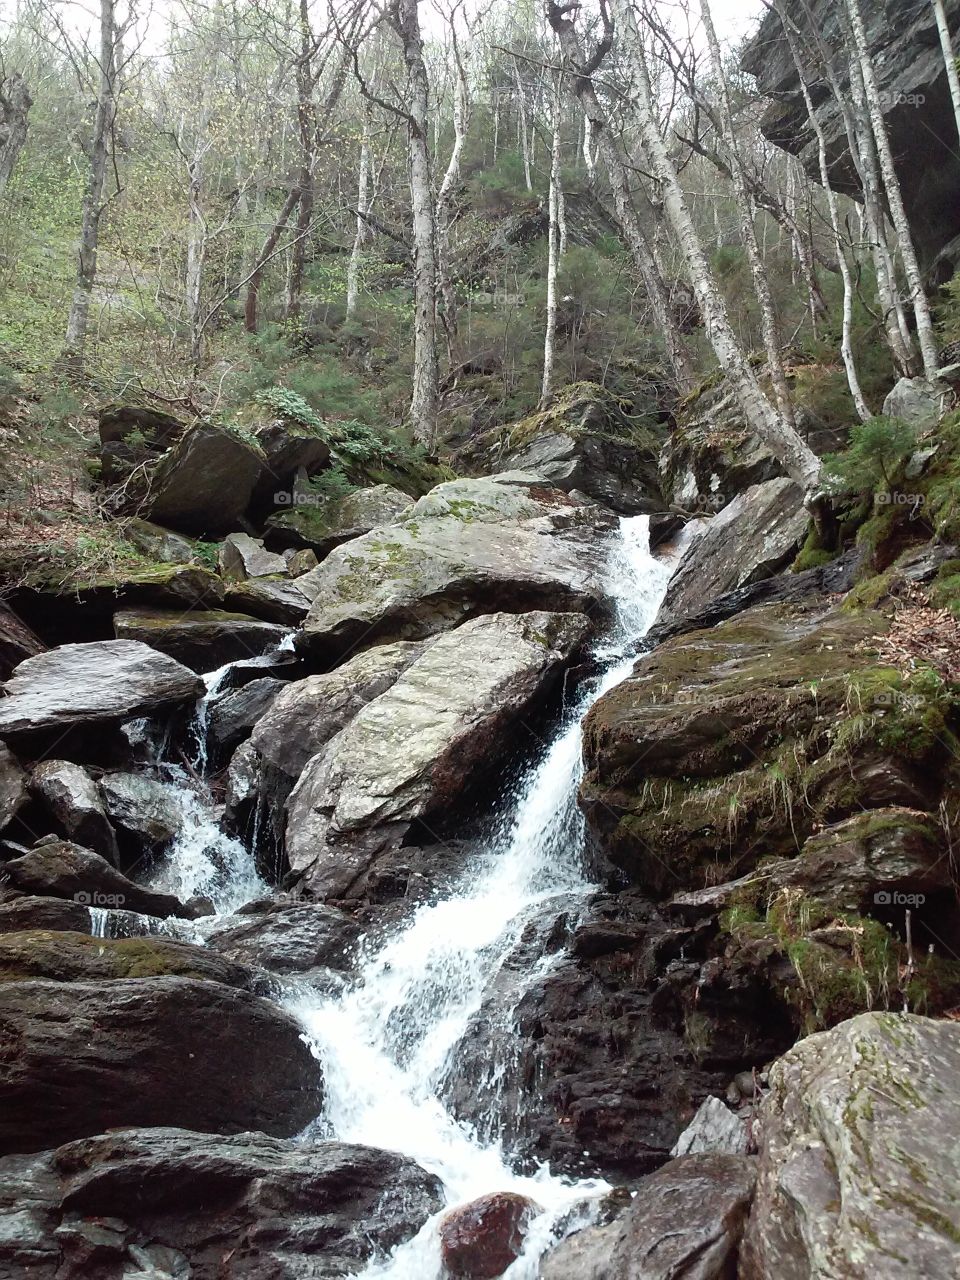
[{"x": 387, "y": 1042}]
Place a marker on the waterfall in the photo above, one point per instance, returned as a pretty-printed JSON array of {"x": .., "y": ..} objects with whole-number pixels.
[{"x": 386, "y": 1043}]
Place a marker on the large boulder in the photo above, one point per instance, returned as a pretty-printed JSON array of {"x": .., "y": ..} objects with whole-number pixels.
[
  {"x": 168, "y": 1202},
  {"x": 242, "y": 557},
  {"x": 26, "y": 911},
  {"x": 66, "y": 870},
  {"x": 72, "y": 797},
  {"x": 203, "y": 639},
  {"x": 205, "y": 482},
  {"x": 288, "y": 937},
  {"x": 157, "y": 543},
  {"x": 17, "y": 641},
  {"x": 270, "y": 600},
  {"x": 158, "y": 429},
  {"x": 412, "y": 751},
  {"x": 288, "y": 447},
  {"x": 82, "y": 1057},
  {"x": 480, "y": 1240},
  {"x": 13, "y": 785},
  {"x": 322, "y": 524},
  {"x": 733, "y": 744},
  {"x": 859, "y": 1175},
  {"x": 915, "y": 98},
  {"x": 752, "y": 537},
  {"x": 686, "y": 1221},
  {"x": 106, "y": 681},
  {"x": 467, "y": 547},
  {"x": 919, "y": 402},
  {"x": 232, "y": 715},
  {"x": 141, "y": 807}
]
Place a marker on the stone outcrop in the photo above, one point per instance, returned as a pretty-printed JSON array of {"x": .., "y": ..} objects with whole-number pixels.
[
  {"x": 917, "y": 109},
  {"x": 204, "y": 484},
  {"x": 467, "y": 547},
  {"x": 87, "y": 1056},
  {"x": 203, "y": 639},
  {"x": 685, "y": 1220},
  {"x": 412, "y": 751},
  {"x": 175, "y": 1203},
  {"x": 102, "y": 682},
  {"x": 858, "y": 1176}
]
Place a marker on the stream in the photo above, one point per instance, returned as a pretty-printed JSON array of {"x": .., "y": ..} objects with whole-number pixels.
[{"x": 387, "y": 1042}]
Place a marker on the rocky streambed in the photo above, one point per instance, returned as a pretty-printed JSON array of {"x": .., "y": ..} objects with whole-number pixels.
[{"x": 425, "y": 919}]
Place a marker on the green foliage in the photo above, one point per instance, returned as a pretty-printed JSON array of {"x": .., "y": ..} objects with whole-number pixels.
[
  {"x": 288, "y": 404},
  {"x": 332, "y": 485},
  {"x": 876, "y": 451}
]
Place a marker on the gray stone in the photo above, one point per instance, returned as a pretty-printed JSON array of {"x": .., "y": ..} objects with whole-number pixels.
[
  {"x": 685, "y": 1221},
  {"x": 203, "y": 639},
  {"x": 232, "y": 715},
  {"x": 71, "y": 796},
  {"x": 105, "y": 681},
  {"x": 918, "y": 402},
  {"x": 241, "y": 557},
  {"x": 66, "y": 870},
  {"x": 13, "y": 785},
  {"x": 288, "y": 937},
  {"x": 272, "y": 601},
  {"x": 321, "y": 525},
  {"x": 157, "y": 543},
  {"x": 411, "y": 751},
  {"x": 302, "y": 561},
  {"x": 141, "y": 806},
  {"x": 204, "y": 484},
  {"x": 859, "y": 1176},
  {"x": 467, "y": 547},
  {"x": 714, "y": 1130},
  {"x": 751, "y": 538},
  {"x": 83, "y": 1057}
]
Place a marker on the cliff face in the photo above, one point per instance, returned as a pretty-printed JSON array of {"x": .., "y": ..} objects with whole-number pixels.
[{"x": 909, "y": 64}]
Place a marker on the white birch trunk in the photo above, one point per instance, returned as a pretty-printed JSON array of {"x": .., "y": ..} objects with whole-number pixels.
[
  {"x": 555, "y": 249},
  {"x": 363, "y": 207},
  {"x": 949, "y": 58},
  {"x": 522, "y": 125}
]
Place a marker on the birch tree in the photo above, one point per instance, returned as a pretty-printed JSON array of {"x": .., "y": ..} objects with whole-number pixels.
[
  {"x": 95, "y": 188},
  {"x": 918, "y": 298},
  {"x": 555, "y": 246},
  {"x": 949, "y": 58},
  {"x": 15, "y": 104},
  {"x": 361, "y": 231}
]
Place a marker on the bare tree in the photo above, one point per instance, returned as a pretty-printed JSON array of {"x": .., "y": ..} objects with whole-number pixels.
[
  {"x": 555, "y": 245},
  {"x": 949, "y": 58},
  {"x": 15, "y": 104}
]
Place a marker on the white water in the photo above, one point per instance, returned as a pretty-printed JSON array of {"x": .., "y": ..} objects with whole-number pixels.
[{"x": 386, "y": 1044}]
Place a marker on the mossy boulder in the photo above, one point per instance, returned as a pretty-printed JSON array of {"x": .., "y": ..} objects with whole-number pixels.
[
  {"x": 729, "y": 745},
  {"x": 203, "y": 639},
  {"x": 77, "y": 957},
  {"x": 322, "y": 524},
  {"x": 204, "y": 484}
]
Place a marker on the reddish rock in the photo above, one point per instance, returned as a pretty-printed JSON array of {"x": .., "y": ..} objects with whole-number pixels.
[{"x": 480, "y": 1239}]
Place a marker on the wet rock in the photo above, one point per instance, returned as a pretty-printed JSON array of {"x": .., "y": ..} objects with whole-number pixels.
[
  {"x": 71, "y": 796},
  {"x": 714, "y": 1130},
  {"x": 13, "y": 785},
  {"x": 141, "y": 806},
  {"x": 235, "y": 713},
  {"x": 158, "y": 543},
  {"x": 67, "y": 871},
  {"x": 65, "y": 956},
  {"x": 751, "y": 538},
  {"x": 412, "y": 751},
  {"x": 917, "y": 401},
  {"x": 87, "y": 1056},
  {"x": 856, "y": 1178},
  {"x": 288, "y": 938},
  {"x": 203, "y": 639},
  {"x": 325, "y": 524},
  {"x": 242, "y": 557},
  {"x": 17, "y": 641},
  {"x": 171, "y": 1201},
  {"x": 204, "y": 484},
  {"x": 702, "y": 756},
  {"x": 29, "y": 911},
  {"x": 685, "y": 1220},
  {"x": 272, "y": 601},
  {"x": 481, "y": 1239},
  {"x": 105, "y": 681},
  {"x": 467, "y": 547}
]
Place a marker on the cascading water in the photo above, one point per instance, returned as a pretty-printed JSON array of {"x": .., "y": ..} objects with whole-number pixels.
[{"x": 386, "y": 1044}]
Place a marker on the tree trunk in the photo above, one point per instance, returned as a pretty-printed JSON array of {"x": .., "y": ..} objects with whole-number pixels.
[
  {"x": 307, "y": 131},
  {"x": 555, "y": 247},
  {"x": 921, "y": 307},
  {"x": 846, "y": 347},
  {"x": 796, "y": 457},
  {"x": 251, "y": 302},
  {"x": 949, "y": 58},
  {"x": 363, "y": 207},
  {"x": 448, "y": 186},
  {"x": 424, "y": 405},
  {"x": 196, "y": 252},
  {"x": 522, "y": 124},
  {"x": 748, "y": 230},
  {"x": 15, "y": 103},
  {"x": 628, "y": 220},
  {"x": 78, "y": 319}
]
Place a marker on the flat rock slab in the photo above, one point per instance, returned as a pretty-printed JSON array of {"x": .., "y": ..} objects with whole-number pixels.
[
  {"x": 686, "y": 1220},
  {"x": 179, "y": 1201},
  {"x": 203, "y": 639},
  {"x": 65, "y": 870},
  {"x": 105, "y": 681},
  {"x": 412, "y": 751},
  {"x": 859, "y": 1174},
  {"x": 753, "y": 537},
  {"x": 82, "y": 1057}
]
